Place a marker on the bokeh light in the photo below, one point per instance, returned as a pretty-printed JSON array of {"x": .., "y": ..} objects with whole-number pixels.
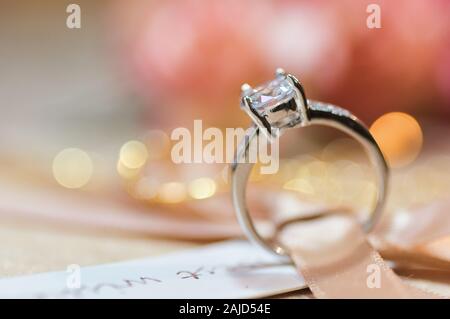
[
  {"x": 72, "y": 168},
  {"x": 133, "y": 154},
  {"x": 300, "y": 185},
  {"x": 172, "y": 192},
  {"x": 399, "y": 136},
  {"x": 201, "y": 188}
]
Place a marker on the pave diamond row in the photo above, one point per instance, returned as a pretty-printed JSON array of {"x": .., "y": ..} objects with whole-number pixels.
[{"x": 325, "y": 107}]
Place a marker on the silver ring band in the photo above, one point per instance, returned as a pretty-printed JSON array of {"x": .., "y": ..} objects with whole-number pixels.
[{"x": 317, "y": 113}]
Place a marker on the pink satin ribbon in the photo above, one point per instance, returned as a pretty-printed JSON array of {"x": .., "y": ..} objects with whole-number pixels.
[
  {"x": 336, "y": 259},
  {"x": 418, "y": 236}
]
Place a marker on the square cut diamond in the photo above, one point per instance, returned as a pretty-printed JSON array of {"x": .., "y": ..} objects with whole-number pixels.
[
  {"x": 275, "y": 104},
  {"x": 273, "y": 93}
]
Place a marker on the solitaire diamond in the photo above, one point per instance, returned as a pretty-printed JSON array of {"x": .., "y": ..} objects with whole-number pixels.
[
  {"x": 273, "y": 93},
  {"x": 275, "y": 104}
]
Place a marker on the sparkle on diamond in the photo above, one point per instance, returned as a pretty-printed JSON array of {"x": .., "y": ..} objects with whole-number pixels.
[{"x": 272, "y": 93}]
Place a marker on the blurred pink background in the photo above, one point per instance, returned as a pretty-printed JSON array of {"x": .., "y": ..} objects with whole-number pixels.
[{"x": 192, "y": 56}]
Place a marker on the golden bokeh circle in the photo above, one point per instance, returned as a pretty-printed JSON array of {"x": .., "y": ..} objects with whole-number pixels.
[
  {"x": 133, "y": 154},
  {"x": 202, "y": 188},
  {"x": 72, "y": 168},
  {"x": 399, "y": 136}
]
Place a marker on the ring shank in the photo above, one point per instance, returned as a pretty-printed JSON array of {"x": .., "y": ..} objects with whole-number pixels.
[{"x": 318, "y": 114}]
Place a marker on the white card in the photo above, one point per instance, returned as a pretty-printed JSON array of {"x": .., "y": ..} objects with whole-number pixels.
[{"x": 232, "y": 269}]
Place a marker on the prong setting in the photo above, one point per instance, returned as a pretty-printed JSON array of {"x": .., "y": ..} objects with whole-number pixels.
[
  {"x": 247, "y": 101},
  {"x": 276, "y": 105},
  {"x": 258, "y": 118},
  {"x": 246, "y": 89},
  {"x": 299, "y": 87},
  {"x": 280, "y": 72}
]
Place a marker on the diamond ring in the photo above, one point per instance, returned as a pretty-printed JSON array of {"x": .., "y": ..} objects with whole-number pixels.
[{"x": 279, "y": 105}]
